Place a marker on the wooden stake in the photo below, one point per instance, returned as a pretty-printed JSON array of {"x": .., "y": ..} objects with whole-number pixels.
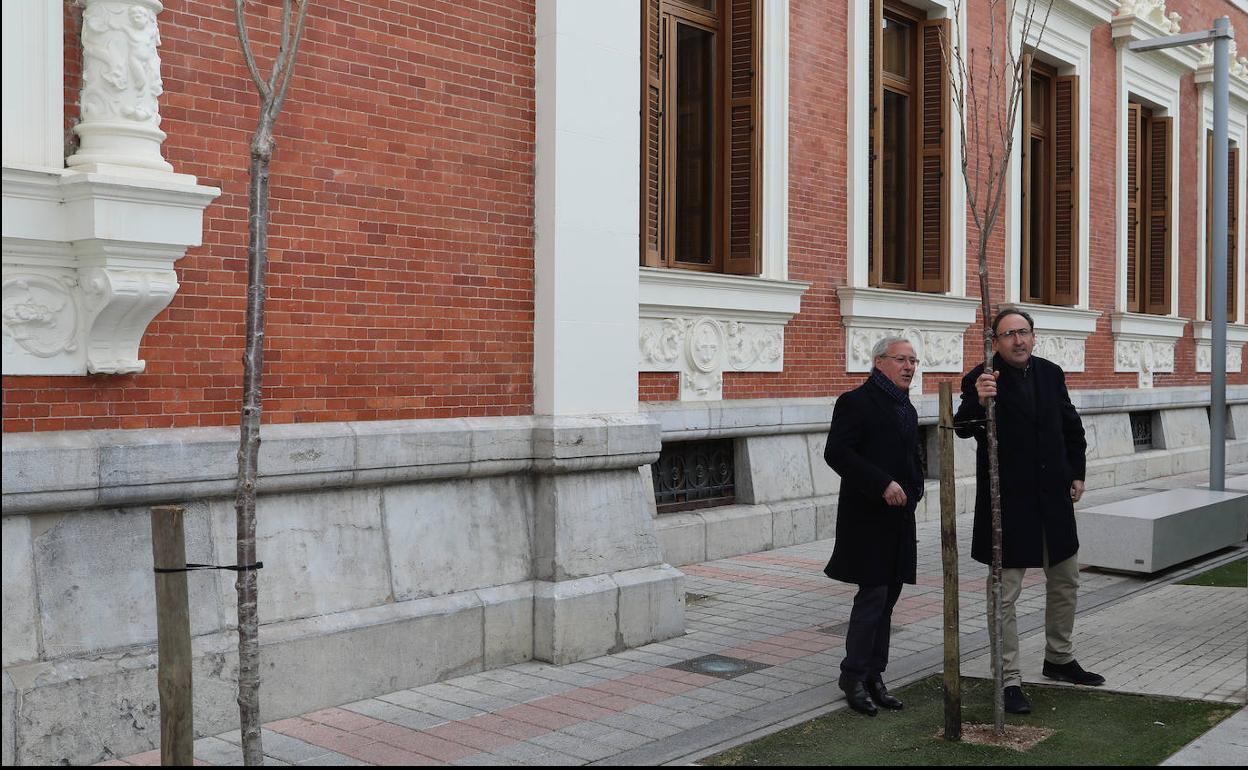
[
  {"x": 949, "y": 562},
  {"x": 173, "y": 635}
]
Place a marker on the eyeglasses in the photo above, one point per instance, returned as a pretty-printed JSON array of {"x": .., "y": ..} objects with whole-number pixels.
[
  {"x": 1021, "y": 334},
  {"x": 905, "y": 360}
]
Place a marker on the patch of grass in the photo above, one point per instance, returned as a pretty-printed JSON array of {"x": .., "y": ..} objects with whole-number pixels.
[
  {"x": 1091, "y": 727},
  {"x": 1230, "y": 575}
]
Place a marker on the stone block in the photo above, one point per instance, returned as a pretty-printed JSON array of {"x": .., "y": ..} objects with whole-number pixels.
[
  {"x": 682, "y": 538},
  {"x": 575, "y": 619},
  {"x": 322, "y": 552},
  {"x": 1179, "y": 428},
  {"x": 817, "y": 411},
  {"x": 144, "y": 458},
  {"x": 508, "y": 623},
  {"x": 8, "y": 730},
  {"x": 390, "y": 450},
  {"x": 1158, "y": 464},
  {"x": 963, "y": 454},
  {"x": 826, "y": 481},
  {"x": 647, "y": 490},
  {"x": 1191, "y": 459},
  {"x": 449, "y": 536},
  {"x": 792, "y": 523},
  {"x": 736, "y": 529},
  {"x": 632, "y": 434},
  {"x": 1101, "y": 474},
  {"x": 591, "y": 523},
  {"x": 1237, "y": 424},
  {"x": 825, "y": 520},
  {"x": 390, "y": 647},
  {"x": 1152, "y": 532},
  {"x": 495, "y": 439},
  {"x": 1109, "y": 435},
  {"x": 652, "y": 604},
  {"x": 51, "y": 461},
  {"x": 1130, "y": 470},
  {"x": 772, "y": 468},
  {"x": 20, "y": 641},
  {"x": 566, "y": 437},
  {"x": 94, "y": 573}
]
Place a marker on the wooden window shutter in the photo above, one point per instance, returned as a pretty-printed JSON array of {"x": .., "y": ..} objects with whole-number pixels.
[
  {"x": 743, "y": 148},
  {"x": 1134, "y": 246},
  {"x": 1024, "y": 209},
  {"x": 651, "y": 137},
  {"x": 1064, "y": 288},
  {"x": 1157, "y": 264},
  {"x": 875, "y": 222},
  {"x": 933, "y": 144}
]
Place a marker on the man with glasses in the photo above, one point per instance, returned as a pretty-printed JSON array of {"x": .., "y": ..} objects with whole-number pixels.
[
  {"x": 874, "y": 446},
  {"x": 1041, "y": 459}
]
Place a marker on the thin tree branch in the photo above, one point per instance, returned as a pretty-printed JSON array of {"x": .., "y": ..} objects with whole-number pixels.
[
  {"x": 294, "y": 49},
  {"x": 241, "y": 22}
]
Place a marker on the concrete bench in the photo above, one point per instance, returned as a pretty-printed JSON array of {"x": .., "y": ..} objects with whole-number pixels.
[{"x": 1150, "y": 533}]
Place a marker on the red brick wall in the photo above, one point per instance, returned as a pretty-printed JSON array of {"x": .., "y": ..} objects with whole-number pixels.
[{"x": 401, "y": 242}]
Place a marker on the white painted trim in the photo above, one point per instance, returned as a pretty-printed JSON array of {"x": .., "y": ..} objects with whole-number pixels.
[
  {"x": 666, "y": 292},
  {"x": 1237, "y": 132},
  {"x": 1066, "y": 43},
  {"x": 1144, "y": 325},
  {"x": 34, "y": 84},
  {"x": 858, "y": 169},
  {"x": 775, "y": 119},
  {"x": 1153, "y": 79}
]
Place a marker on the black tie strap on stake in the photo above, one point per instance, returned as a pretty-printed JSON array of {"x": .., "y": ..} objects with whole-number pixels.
[{"x": 193, "y": 567}]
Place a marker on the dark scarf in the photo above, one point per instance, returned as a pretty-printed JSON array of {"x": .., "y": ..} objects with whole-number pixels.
[{"x": 907, "y": 415}]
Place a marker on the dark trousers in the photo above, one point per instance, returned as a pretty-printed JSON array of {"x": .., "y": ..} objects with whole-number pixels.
[{"x": 866, "y": 643}]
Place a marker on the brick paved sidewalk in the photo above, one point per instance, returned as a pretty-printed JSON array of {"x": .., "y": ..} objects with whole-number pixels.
[{"x": 773, "y": 611}]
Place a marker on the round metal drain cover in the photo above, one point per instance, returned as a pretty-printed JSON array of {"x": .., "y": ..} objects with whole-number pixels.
[{"x": 719, "y": 666}]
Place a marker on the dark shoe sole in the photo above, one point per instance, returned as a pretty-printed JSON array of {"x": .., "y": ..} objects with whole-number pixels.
[{"x": 1072, "y": 680}]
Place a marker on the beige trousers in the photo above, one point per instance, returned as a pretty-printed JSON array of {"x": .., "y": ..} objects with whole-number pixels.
[{"x": 1061, "y": 584}]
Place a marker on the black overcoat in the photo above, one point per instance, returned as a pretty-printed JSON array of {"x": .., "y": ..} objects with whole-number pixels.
[
  {"x": 875, "y": 541},
  {"x": 1041, "y": 450}
]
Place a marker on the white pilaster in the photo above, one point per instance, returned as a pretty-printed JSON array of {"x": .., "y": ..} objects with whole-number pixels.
[
  {"x": 587, "y": 207},
  {"x": 34, "y": 97}
]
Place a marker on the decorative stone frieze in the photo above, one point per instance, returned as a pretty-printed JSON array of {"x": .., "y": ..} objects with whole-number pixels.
[
  {"x": 702, "y": 348},
  {"x": 121, "y": 87},
  {"x": 1145, "y": 344},
  {"x": 1236, "y": 337},
  {"x": 935, "y": 324}
]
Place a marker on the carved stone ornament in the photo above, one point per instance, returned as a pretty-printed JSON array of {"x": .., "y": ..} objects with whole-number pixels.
[
  {"x": 40, "y": 315},
  {"x": 1204, "y": 357},
  {"x": 119, "y": 304},
  {"x": 1144, "y": 357},
  {"x": 1239, "y": 64},
  {"x": 701, "y": 348},
  {"x": 939, "y": 351},
  {"x": 1066, "y": 352},
  {"x": 121, "y": 86},
  {"x": 1152, "y": 11}
]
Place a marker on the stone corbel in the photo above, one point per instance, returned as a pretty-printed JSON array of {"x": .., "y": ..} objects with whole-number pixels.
[{"x": 119, "y": 303}]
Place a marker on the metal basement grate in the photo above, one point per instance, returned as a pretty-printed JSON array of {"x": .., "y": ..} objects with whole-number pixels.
[
  {"x": 1142, "y": 430},
  {"x": 694, "y": 474}
]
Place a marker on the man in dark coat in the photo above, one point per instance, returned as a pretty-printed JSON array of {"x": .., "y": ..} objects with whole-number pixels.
[
  {"x": 873, "y": 445},
  {"x": 1041, "y": 459}
]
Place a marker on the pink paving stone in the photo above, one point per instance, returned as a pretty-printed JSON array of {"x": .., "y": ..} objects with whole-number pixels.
[
  {"x": 467, "y": 735},
  {"x": 385, "y": 754},
  {"x": 511, "y": 728},
  {"x": 321, "y": 735},
  {"x": 342, "y": 719},
  {"x": 572, "y": 708},
  {"x": 664, "y": 673},
  {"x": 433, "y": 746},
  {"x": 146, "y": 758},
  {"x": 616, "y": 688},
  {"x": 539, "y": 717},
  {"x": 620, "y": 703}
]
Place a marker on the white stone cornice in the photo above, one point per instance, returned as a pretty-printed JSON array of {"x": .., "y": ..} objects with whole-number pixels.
[
  {"x": 1145, "y": 343},
  {"x": 1061, "y": 332},
  {"x": 934, "y": 323},
  {"x": 1148, "y": 19},
  {"x": 88, "y": 263},
  {"x": 745, "y": 298},
  {"x": 1236, "y": 337}
]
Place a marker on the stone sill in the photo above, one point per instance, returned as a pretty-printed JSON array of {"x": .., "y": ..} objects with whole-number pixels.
[
  {"x": 864, "y": 306},
  {"x": 1235, "y": 333},
  {"x": 1071, "y": 321},
  {"x": 666, "y": 293},
  {"x": 1146, "y": 326},
  {"x": 83, "y": 469}
]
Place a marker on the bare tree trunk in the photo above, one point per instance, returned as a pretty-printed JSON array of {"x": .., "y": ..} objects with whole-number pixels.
[
  {"x": 1000, "y": 88},
  {"x": 272, "y": 95},
  {"x": 949, "y": 561}
]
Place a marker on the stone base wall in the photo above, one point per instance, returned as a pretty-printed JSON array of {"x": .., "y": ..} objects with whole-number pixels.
[
  {"x": 786, "y": 493},
  {"x": 396, "y": 554}
]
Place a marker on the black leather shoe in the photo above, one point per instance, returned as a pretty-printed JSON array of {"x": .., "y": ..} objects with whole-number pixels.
[
  {"x": 857, "y": 698},
  {"x": 879, "y": 693},
  {"x": 1071, "y": 672},
  {"x": 1015, "y": 701}
]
